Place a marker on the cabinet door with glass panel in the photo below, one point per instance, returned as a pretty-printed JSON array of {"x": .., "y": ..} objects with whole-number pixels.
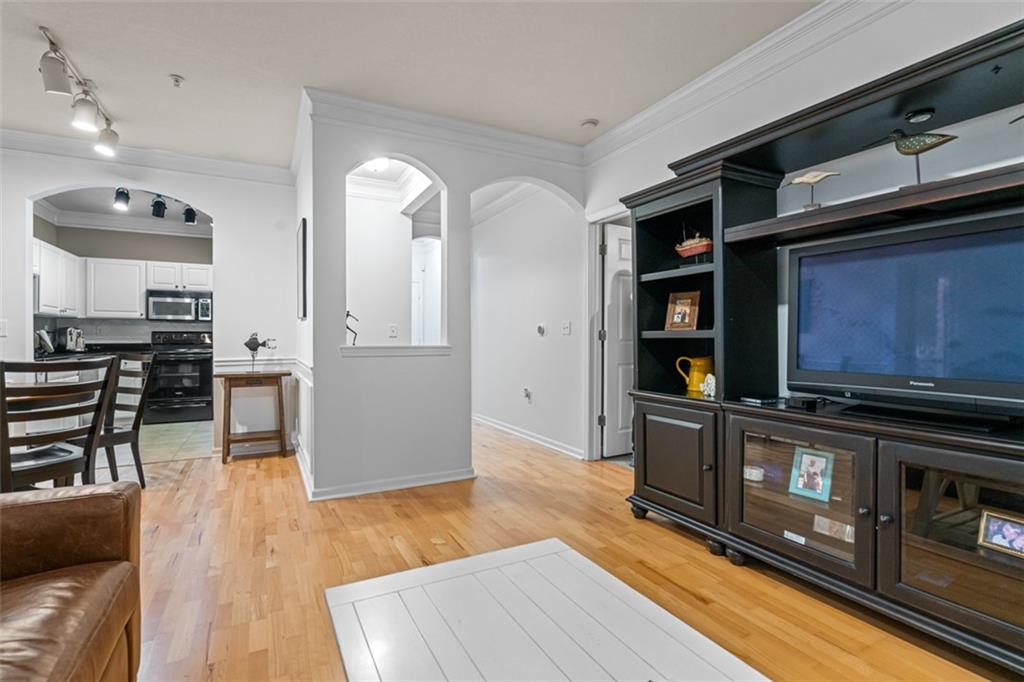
[
  {"x": 951, "y": 536},
  {"x": 803, "y": 492}
]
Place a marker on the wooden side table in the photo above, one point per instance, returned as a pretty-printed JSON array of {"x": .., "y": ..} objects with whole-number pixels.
[{"x": 233, "y": 380}]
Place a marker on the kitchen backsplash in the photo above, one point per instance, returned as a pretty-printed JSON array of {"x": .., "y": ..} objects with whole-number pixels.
[{"x": 119, "y": 331}]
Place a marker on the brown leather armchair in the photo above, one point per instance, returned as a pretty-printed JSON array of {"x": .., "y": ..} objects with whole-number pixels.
[{"x": 69, "y": 583}]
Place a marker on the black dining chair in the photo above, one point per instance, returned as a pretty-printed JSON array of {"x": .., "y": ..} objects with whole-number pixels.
[
  {"x": 130, "y": 397},
  {"x": 38, "y": 421}
]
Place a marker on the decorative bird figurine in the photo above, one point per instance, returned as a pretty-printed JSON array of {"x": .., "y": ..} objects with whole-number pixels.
[
  {"x": 253, "y": 344},
  {"x": 812, "y": 178},
  {"x": 915, "y": 145}
]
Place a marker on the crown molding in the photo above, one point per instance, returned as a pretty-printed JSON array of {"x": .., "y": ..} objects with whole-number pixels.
[
  {"x": 426, "y": 224},
  {"x": 56, "y": 145},
  {"x": 503, "y": 202},
  {"x": 47, "y": 211},
  {"x": 336, "y": 109},
  {"x": 118, "y": 223},
  {"x": 372, "y": 188},
  {"x": 814, "y": 30}
]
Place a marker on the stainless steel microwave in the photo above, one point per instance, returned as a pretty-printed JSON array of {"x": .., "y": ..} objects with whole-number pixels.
[{"x": 179, "y": 305}]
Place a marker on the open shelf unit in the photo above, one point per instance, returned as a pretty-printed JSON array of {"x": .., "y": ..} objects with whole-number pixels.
[{"x": 723, "y": 468}]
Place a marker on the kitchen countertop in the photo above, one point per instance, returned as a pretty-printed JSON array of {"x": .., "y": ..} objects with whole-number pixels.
[{"x": 93, "y": 350}]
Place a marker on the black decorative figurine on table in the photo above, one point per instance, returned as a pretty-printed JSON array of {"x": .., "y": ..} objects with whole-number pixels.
[
  {"x": 253, "y": 344},
  {"x": 348, "y": 327}
]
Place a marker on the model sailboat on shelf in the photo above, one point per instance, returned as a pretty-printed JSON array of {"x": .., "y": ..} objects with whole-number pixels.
[{"x": 693, "y": 246}]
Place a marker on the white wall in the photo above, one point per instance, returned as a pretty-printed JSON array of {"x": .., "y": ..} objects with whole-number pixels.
[
  {"x": 396, "y": 417},
  {"x": 426, "y": 271},
  {"x": 253, "y": 244},
  {"x": 529, "y": 268},
  {"x": 378, "y": 270},
  {"x": 830, "y": 49}
]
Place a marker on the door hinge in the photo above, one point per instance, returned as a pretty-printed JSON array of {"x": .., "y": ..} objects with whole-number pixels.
[
  {"x": 602, "y": 335},
  {"x": 603, "y": 249},
  {"x": 601, "y": 420}
]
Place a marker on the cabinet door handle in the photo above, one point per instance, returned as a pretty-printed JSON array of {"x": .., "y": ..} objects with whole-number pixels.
[
  {"x": 885, "y": 518},
  {"x": 706, "y": 467},
  {"x": 864, "y": 511}
]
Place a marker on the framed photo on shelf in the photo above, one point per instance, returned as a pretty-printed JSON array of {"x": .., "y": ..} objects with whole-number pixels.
[
  {"x": 682, "y": 311},
  {"x": 1002, "y": 532},
  {"x": 812, "y": 474}
]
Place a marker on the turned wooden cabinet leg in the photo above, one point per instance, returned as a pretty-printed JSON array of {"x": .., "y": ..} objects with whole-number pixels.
[
  {"x": 715, "y": 547},
  {"x": 735, "y": 558},
  {"x": 639, "y": 512}
]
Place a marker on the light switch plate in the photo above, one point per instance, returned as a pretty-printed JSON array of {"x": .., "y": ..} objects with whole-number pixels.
[
  {"x": 392, "y": 331},
  {"x": 566, "y": 328}
]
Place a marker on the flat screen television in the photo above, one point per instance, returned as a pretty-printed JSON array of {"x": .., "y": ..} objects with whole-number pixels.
[{"x": 929, "y": 317}]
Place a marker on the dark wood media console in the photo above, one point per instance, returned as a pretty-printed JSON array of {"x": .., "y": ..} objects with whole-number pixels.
[{"x": 896, "y": 528}]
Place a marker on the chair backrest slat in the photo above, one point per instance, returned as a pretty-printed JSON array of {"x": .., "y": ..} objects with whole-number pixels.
[
  {"x": 27, "y": 409},
  {"x": 140, "y": 375}
]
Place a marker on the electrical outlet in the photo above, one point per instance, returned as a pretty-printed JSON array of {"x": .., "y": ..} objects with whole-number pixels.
[
  {"x": 392, "y": 331},
  {"x": 566, "y": 328}
]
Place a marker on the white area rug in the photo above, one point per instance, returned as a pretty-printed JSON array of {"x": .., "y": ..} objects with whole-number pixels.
[{"x": 535, "y": 612}]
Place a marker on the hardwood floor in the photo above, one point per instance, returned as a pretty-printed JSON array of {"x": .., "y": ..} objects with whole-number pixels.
[{"x": 235, "y": 561}]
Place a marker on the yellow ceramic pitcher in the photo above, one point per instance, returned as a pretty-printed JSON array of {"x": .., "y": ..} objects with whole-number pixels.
[{"x": 699, "y": 368}]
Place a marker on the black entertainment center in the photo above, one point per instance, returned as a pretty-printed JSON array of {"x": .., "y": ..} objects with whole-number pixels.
[{"x": 905, "y": 307}]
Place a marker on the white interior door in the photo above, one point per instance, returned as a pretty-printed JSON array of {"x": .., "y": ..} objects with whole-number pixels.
[{"x": 618, "y": 348}]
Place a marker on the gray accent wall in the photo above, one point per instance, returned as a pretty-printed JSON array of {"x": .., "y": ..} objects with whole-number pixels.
[{"x": 93, "y": 243}]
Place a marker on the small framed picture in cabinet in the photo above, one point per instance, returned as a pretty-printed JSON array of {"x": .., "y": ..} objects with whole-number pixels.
[{"x": 682, "y": 311}]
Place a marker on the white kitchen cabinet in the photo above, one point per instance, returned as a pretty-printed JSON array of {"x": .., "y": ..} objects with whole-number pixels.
[
  {"x": 115, "y": 288},
  {"x": 196, "y": 277},
  {"x": 163, "y": 275},
  {"x": 181, "y": 276},
  {"x": 72, "y": 285},
  {"x": 49, "y": 279},
  {"x": 61, "y": 286}
]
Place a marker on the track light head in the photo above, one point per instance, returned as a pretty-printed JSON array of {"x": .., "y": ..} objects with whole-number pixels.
[
  {"x": 121, "y": 199},
  {"x": 159, "y": 207},
  {"x": 85, "y": 112},
  {"x": 106, "y": 144},
  {"x": 55, "y": 74},
  {"x": 190, "y": 215}
]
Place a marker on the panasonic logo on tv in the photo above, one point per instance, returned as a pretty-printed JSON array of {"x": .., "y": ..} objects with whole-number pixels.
[{"x": 925, "y": 384}]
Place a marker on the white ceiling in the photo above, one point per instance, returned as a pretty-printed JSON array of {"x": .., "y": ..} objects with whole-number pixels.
[{"x": 537, "y": 68}]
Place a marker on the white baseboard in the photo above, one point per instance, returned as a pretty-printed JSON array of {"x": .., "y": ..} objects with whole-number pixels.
[
  {"x": 531, "y": 436},
  {"x": 385, "y": 484},
  {"x": 302, "y": 457}
]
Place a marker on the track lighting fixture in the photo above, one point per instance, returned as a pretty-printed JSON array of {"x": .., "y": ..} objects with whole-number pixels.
[
  {"x": 85, "y": 112},
  {"x": 106, "y": 144},
  {"x": 159, "y": 207},
  {"x": 190, "y": 215},
  {"x": 121, "y": 199},
  {"x": 88, "y": 113},
  {"x": 55, "y": 74}
]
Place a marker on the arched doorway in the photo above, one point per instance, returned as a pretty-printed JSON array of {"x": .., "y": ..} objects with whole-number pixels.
[
  {"x": 529, "y": 308},
  {"x": 119, "y": 269}
]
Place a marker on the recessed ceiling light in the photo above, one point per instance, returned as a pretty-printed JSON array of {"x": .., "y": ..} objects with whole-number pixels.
[
  {"x": 159, "y": 207},
  {"x": 85, "y": 112},
  {"x": 379, "y": 165},
  {"x": 121, "y": 199},
  {"x": 106, "y": 144},
  {"x": 190, "y": 215},
  {"x": 919, "y": 115},
  {"x": 55, "y": 74},
  {"x": 589, "y": 123}
]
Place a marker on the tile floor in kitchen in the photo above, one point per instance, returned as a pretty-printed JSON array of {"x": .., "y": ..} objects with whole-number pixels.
[{"x": 160, "y": 443}]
